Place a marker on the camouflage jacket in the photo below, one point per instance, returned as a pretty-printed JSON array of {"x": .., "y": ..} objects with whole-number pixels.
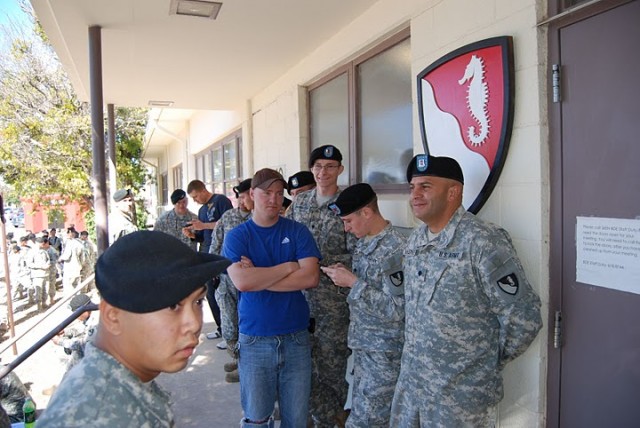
[
  {"x": 327, "y": 229},
  {"x": 101, "y": 392},
  {"x": 376, "y": 300},
  {"x": 230, "y": 219},
  {"x": 171, "y": 223},
  {"x": 469, "y": 310}
]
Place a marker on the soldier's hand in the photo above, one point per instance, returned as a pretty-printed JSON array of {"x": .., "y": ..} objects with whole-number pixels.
[
  {"x": 341, "y": 276},
  {"x": 231, "y": 348}
]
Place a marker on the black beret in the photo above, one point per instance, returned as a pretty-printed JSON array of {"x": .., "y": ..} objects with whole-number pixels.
[
  {"x": 78, "y": 300},
  {"x": 328, "y": 152},
  {"x": 352, "y": 199},
  {"x": 300, "y": 179},
  {"x": 242, "y": 187},
  {"x": 121, "y": 194},
  {"x": 147, "y": 271},
  {"x": 177, "y": 196},
  {"x": 434, "y": 166}
]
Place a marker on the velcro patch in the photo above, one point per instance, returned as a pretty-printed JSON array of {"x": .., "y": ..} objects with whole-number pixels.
[{"x": 509, "y": 284}]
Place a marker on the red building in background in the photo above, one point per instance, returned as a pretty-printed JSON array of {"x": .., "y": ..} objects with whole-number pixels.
[{"x": 60, "y": 215}]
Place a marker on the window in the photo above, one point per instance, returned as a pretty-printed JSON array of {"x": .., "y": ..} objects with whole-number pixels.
[
  {"x": 219, "y": 166},
  {"x": 164, "y": 189},
  {"x": 177, "y": 177},
  {"x": 365, "y": 109}
]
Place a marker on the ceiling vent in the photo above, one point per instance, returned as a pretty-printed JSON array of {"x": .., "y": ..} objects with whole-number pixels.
[
  {"x": 156, "y": 103},
  {"x": 198, "y": 8}
]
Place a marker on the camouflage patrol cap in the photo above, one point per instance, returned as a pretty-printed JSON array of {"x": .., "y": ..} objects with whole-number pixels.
[
  {"x": 121, "y": 194},
  {"x": 328, "y": 152},
  {"x": 434, "y": 166},
  {"x": 78, "y": 300},
  {"x": 147, "y": 271},
  {"x": 352, "y": 199}
]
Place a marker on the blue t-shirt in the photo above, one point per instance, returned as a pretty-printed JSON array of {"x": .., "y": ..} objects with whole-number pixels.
[
  {"x": 210, "y": 212},
  {"x": 270, "y": 313}
]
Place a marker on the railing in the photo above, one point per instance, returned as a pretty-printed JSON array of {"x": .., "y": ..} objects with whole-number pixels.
[{"x": 26, "y": 354}]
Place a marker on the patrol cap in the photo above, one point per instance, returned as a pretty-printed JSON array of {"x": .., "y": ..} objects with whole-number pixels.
[
  {"x": 300, "y": 179},
  {"x": 121, "y": 194},
  {"x": 146, "y": 271},
  {"x": 177, "y": 196},
  {"x": 328, "y": 152},
  {"x": 434, "y": 166},
  {"x": 352, "y": 199},
  {"x": 265, "y": 178},
  {"x": 242, "y": 187},
  {"x": 78, "y": 300}
]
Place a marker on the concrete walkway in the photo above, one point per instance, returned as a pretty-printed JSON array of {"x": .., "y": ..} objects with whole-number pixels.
[{"x": 201, "y": 397}]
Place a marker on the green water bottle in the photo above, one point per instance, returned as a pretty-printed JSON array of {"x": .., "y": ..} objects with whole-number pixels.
[{"x": 29, "y": 411}]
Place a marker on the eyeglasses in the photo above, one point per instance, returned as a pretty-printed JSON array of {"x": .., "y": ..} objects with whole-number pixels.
[{"x": 328, "y": 168}]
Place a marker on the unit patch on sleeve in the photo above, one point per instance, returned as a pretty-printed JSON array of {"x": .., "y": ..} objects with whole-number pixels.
[{"x": 509, "y": 284}]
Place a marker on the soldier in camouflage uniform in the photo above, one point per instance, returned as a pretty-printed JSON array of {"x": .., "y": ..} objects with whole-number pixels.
[
  {"x": 75, "y": 337},
  {"x": 226, "y": 293},
  {"x": 175, "y": 221},
  {"x": 469, "y": 307},
  {"x": 53, "y": 272},
  {"x": 152, "y": 288},
  {"x": 376, "y": 305},
  {"x": 327, "y": 302},
  {"x": 38, "y": 263},
  {"x": 13, "y": 394}
]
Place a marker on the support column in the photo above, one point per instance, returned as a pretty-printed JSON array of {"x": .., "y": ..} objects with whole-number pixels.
[{"x": 98, "y": 181}]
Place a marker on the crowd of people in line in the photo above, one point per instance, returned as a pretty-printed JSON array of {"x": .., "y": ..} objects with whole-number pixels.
[
  {"x": 430, "y": 319},
  {"x": 41, "y": 264}
]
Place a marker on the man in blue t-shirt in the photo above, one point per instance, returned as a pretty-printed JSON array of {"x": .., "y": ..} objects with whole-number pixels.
[
  {"x": 213, "y": 206},
  {"x": 274, "y": 259}
]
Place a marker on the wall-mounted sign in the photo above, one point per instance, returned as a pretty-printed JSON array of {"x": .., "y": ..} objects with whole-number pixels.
[
  {"x": 608, "y": 253},
  {"x": 466, "y": 112}
]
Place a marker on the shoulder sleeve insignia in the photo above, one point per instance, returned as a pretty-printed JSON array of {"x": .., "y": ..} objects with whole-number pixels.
[{"x": 509, "y": 284}]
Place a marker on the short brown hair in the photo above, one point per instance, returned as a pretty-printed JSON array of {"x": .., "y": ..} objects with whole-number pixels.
[{"x": 197, "y": 185}]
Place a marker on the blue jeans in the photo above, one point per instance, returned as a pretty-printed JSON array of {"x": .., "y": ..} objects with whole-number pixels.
[{"x": 275, "y": 367}]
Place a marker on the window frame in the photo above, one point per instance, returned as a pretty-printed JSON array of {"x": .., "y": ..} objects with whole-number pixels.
[
  {"x": 207, "y": 155},
  {"x": 355, "y": 147}
]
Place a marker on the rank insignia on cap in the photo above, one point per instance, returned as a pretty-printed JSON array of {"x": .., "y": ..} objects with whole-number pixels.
[
  {"x": 397, "y": 278},
  {"x": 294, "y": 182},
  {"x": 335, "y": 209},
  {"x": 328, "y": 151},
  {"x": 422, "y": 162},
  {"x": 509, "y": 284}
]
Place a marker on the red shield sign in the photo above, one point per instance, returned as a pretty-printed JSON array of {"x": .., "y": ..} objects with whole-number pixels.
[{"x": 465, "y": 102}]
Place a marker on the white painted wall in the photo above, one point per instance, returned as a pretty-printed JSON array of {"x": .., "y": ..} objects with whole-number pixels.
[{"x": 519, "y": 202}]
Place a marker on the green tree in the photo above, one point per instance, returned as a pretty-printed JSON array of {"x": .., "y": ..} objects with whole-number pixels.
[{"x": 45, "y": 130}]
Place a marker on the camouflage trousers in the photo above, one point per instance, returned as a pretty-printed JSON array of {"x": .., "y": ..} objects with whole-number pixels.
[
  {"x": 37, "y": 290},
  {"x": 51, "y": 285},
  {"x": 227, "y": 299},
  {"x": 69, "y": 283},
  {"x": 410, "y": 409},
  {"x": 374, "y": 380},
  {"x": 329, "y": 355}
]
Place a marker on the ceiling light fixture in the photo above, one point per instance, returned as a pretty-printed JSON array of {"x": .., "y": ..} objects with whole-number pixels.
[
  {"x": 198, "y": 8},
  {"x": 156, "y": 103}
]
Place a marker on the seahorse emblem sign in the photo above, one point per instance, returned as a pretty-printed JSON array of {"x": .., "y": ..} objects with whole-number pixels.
[{"x": 466, "y": 112}]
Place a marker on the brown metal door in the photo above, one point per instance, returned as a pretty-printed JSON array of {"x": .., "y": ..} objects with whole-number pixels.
[{"x": 598, "y": 165}]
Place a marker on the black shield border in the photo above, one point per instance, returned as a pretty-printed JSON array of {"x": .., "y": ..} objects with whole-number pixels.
[{"x": 506, "y": 44}]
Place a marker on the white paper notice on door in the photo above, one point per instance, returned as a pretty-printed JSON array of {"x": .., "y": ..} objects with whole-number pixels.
[{"x": 608, "y": 253}]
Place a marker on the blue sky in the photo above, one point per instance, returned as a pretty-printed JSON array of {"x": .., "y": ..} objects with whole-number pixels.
[{"x": 10, "y": 12}]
